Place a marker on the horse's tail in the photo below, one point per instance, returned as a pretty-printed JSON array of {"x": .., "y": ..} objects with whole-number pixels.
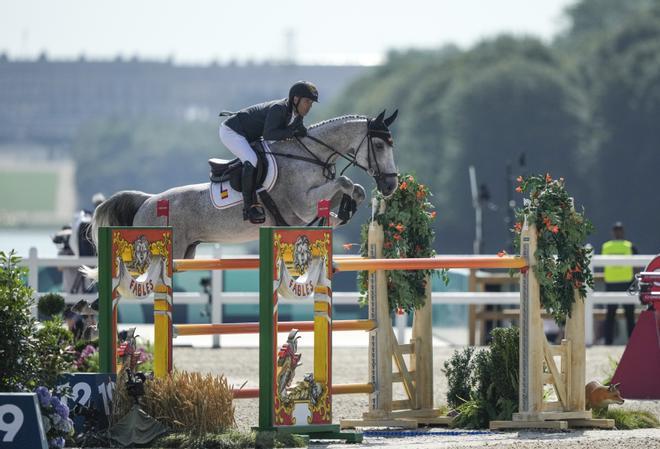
[{"x": 118, "y": 210}]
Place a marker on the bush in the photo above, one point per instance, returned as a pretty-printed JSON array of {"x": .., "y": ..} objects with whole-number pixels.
[
  {"x": 628, "y": 419},
  {"x": 458, "y": 374},
  {"x": 483, "y": 384},
  {"x": 54, "y": 351},
  {"x": 50, "y": 305},
  {"x": 18, "y": 355}
]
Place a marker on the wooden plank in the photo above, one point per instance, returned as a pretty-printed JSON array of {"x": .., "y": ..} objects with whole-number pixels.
[
  {"x": 595, "y": 422},
  {"x": 531, "y": 329},
  {"x": 551, "y": 416},
  {"x": 419, "y": 413},
  {"x": 354, "y": 423},
  {"x": 421, "y": 364},
  {"x": 566, "y": 368},
  {"x": 553, "y": 406},
  {"x": 496, "y": 425},
  {"x": 408, "y": 384},
  {"x": 575, "y": 334},
  {"x": 407, "y": 348},
  {"x": 397, "y": 377},
  {"x": 402, "y": 404},
  {"x": 472, "y": 309},
  {"x": 380, "y": 357},
  {"x": 558, "y": 382}
]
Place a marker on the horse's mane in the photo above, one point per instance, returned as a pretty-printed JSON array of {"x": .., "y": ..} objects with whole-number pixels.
[{"x": 336, "y": 119}]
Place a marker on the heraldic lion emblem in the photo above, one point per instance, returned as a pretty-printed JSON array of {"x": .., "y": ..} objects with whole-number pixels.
[
  {"x": 302, "y": 254},
  {"x": 141, "y": 255}
]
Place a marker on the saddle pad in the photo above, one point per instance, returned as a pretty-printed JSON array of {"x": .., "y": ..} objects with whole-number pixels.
[{"x": 223, "y": 196}]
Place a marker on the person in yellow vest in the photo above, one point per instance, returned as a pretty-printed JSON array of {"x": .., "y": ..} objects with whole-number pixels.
[{"x": 618, "y": 279}]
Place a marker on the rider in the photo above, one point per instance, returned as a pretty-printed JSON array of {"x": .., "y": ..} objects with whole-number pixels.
[{"x": 272, "y": 120}]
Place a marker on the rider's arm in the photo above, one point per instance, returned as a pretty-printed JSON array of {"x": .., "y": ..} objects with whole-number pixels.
[{"x": 275, "y": 127}]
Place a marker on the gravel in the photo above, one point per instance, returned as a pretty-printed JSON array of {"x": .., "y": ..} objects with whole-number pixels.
[{"x": 240, "y": 366}]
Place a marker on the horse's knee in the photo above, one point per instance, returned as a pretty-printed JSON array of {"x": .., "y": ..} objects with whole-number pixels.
[
  {"x": 359, "y": 193},
  {"x": 345, "y": 183}
]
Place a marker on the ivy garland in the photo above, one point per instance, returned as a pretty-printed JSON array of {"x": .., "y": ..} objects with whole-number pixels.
[
  {"x": 562, "y": 260},
  {"x": 408, "y": 232}
]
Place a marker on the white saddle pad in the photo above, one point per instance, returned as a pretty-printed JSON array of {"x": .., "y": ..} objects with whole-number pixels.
[{"x": 223, "y": 196}]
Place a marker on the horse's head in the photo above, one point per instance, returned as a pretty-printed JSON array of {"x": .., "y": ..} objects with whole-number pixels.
[{"x": 379, "y": 155}]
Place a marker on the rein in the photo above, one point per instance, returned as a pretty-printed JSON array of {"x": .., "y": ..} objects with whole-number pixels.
[{"x": 329, "y": 168}]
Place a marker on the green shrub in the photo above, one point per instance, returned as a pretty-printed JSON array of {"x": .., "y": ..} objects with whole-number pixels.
[
  {"x": 53, "y": 347},
  {"x": 458, "y": 374},
  {"x": 50, "y": 305},
  {"x": 18, "y": 355},
  {"x": 483, "y": 384}
]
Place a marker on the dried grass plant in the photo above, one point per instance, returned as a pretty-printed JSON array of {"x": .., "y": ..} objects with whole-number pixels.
[{"x": 191, "y": 402}]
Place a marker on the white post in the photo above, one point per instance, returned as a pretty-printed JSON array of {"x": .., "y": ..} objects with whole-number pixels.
[{"x": 33, "y": 275}]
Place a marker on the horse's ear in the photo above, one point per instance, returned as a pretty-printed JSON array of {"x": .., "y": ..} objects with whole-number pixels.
[
  {"x": 380, "y": 116},
  {"x": 389, "y": 120}
]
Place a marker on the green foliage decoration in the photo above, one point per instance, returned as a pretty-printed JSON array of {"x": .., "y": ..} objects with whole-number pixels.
[
  {"x": 562, "y": 260},
  {"x": 53, "y": 347},
  {"x": 408, "y": 232},
  {"x": 50, "y": 304},
  {"x": 483, "y": 384},
  {"x": 625, "y": 419},
  {"x": 18, "y": 358}
]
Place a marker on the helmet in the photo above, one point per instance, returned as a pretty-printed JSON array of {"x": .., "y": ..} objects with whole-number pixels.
[{"x": 304, "y": 89}]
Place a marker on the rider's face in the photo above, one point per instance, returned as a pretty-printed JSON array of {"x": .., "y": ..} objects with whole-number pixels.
[{"x": 304, "y": 105}]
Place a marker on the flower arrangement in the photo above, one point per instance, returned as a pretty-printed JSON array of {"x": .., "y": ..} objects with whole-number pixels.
[
  {"x": 407, "y": 226},
  {"x": 55, "y": 417},
  {"x": 562, "y": 260},
  {"x": 87, "y": 359}
]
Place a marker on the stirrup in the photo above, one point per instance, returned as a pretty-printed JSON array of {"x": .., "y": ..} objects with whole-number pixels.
[{"x": 255, "y": 213}]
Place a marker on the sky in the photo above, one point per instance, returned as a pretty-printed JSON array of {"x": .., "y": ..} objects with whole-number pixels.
[{"x": 315, "y": 32}]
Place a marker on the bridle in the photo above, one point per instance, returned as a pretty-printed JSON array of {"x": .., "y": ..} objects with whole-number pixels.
[{"x": 330, "y": 169}]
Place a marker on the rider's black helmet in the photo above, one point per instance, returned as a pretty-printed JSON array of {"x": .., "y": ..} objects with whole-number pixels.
[{"x": 304, "y": 89}]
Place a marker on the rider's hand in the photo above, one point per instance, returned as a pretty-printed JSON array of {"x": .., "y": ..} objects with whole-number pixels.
[
  {"x": 298, "y": 121},
  {"x": 301, "y": 131}
]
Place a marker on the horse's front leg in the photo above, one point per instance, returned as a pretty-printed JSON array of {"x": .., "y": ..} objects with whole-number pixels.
[{"x": 329, "y": 191}]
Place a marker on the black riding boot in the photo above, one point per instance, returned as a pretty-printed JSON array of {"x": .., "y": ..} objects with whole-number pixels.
[{"x": 252, "y": 210}]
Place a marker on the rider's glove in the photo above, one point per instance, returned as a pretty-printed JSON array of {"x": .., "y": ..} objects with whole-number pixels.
[{"x": 301, "y": 131}]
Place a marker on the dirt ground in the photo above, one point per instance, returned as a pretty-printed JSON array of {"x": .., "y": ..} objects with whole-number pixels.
[{"x": 240, "y": 365}]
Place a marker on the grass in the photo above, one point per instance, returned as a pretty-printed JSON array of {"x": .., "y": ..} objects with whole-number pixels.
[
  {"x": 232, "y": 439},
  {"x": 628, "y": 419}
]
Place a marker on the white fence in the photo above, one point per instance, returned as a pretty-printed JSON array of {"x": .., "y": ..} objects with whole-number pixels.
[{"x": 33, "y": 262}]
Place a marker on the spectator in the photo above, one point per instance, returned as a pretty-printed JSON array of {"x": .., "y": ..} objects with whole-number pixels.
[{"x": 618, "y": 279}]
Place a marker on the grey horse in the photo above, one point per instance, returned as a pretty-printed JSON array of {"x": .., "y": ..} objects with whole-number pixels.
[{"x": 306, "y": 170}]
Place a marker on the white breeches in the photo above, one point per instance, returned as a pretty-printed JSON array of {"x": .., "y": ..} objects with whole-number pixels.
[{"x": 237, "y": 144}]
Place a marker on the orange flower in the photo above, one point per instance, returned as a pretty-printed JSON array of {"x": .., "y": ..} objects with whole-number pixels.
[
  {"x": 391, "y": 225},
  {"x": 548, "y": 275},
  {"x": 411, "y": 179},
  {"x": 502, "y": 253},
  {"x": 387, "y": 245},
  {"x": 420, "y": 194},
  {"x": 399, "y": 311},
  {"x": 519, "y": 189},
  {"x": 519, "y": 179},
  {"x": 400, "y": 227},
  {"x": 433, "y": 214},
  {"x": 404, "y": 185},
  {"x": 569, "y": 275},
  {"x": 517, "y": 227},
  {"x": 397, "y": 237},
  {"x": 548, "y": 178},
  {"x": 555, "y": 229}
]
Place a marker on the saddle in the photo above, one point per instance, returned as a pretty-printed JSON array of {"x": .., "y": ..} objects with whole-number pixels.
[{"x": 230, "y": 170}]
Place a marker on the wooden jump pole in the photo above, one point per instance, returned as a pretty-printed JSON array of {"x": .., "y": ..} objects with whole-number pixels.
[{"x": 362, "y": 263}]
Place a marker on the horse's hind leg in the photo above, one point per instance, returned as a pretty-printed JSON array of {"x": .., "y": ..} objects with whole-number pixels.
[{"x": 190, "y": 251}]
